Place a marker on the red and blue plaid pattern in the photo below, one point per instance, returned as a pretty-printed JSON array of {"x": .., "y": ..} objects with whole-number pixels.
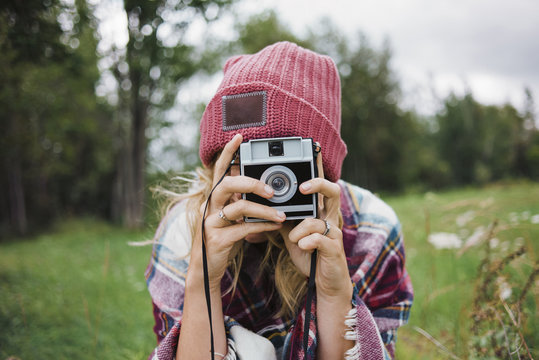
[{"x": 383, "y": 292}]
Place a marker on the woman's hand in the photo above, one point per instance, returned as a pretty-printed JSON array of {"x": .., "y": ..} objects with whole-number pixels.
[
  {"x": 223, "y": 228},
  {"x": 333, "y": 284},
  {"x": 332, "y": 277},
  {"x": 224, "y": 224}
]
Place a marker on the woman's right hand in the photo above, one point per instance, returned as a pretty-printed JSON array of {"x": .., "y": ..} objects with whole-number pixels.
[{"x": 224, "y": 225}]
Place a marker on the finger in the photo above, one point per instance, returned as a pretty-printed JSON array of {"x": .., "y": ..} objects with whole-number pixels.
[
  {"x": 239, "y": 184},
  {"x": 241, "y": 230},
  {"x": 224, "y": 218},
  {"x": 313, "y": 242},
  {"x": 305, "y": 228},
  {"x": 323, "y": 186},
  {"x": 314, "y": 226},
  {"x": 241, "y": 208},
  {"x": 325, "y": 244},
  {"x": 320, "y": 165},
  {"x": 329, "y": 207},
  {"x": 226, "y": 156}
]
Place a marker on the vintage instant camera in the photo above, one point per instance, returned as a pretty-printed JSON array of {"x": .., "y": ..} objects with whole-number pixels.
[{"x": 284, "y": 164}]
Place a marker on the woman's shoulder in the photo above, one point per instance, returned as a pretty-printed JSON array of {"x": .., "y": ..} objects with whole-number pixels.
[
  {"x": 172, "y": 244},
  {"x": 173, "y": 234},
  {"x": 360, "y": 205},
  {"x": 166, "y": 272}
]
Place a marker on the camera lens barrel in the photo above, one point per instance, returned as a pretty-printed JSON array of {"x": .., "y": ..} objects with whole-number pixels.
[
  {"x": 282, "y": 180},
  {"x": 278, "y": 183}
]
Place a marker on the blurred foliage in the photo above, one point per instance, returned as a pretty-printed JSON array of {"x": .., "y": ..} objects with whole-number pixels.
[
  {"x": 66, "y": 150},
  {"x": 149, "y": 71},
  {"x": 262, "y": 30},
  {"x": 499, "y": 316},
  {"x": 67, "y": 293},
  {"x": 462, "y": 296},
  {"x": 483, "y": 143},
  {"x": 374, "y": 128},
  {"x": 54, "y": 156}
]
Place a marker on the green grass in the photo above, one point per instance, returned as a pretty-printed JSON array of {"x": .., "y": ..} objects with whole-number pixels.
[
  {"x": 444, "y": 280},
  {"x": 78, "y": 292}
]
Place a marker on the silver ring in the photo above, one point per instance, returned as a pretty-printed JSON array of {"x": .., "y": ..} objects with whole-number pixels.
[
  {"x": 328, "y": 227},
  {"x": 223, "y": 216}
]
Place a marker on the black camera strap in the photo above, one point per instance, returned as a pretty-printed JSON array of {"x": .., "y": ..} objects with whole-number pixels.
[
  {"x": 205, "y": 262},
  {"x": 311, "y": 285},
  {"x": 308, "y": 303}
]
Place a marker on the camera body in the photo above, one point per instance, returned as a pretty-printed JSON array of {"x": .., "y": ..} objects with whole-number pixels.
[{"x": 284, "y": 164}]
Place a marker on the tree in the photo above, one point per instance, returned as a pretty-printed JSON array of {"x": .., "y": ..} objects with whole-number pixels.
[
  {"x": 149, "y": 71},
  {"x": 261, "y": 30},
  {"x": 50, "y": 116},
  {"x": 29, "y": 36},
  {"x": 482, "y": 143},
  {"x": 528, "y": 148},
  {"x": 375, "y": 129}
]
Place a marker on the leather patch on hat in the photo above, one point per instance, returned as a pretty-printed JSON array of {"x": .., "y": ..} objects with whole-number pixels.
[{"x": 244, "y": 110}]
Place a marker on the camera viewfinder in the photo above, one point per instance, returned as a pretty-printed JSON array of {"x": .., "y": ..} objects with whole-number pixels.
[{"x": 276, "y": 148}]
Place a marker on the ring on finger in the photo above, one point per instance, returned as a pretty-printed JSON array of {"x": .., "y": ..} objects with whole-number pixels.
[
  {"x": 328, "y": 228},
  {"x": 223, "y": 216}
]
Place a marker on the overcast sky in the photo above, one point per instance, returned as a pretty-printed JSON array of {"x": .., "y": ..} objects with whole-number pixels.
[{"x": 488, "y": 46}]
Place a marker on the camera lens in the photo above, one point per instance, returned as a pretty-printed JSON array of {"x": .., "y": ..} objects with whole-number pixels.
[
  {"x": 282, "y": 180},
  {"x": 278, "y": 184}
]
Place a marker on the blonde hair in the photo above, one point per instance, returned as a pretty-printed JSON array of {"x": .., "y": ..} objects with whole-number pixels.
[{"x": 195, "y": 188}]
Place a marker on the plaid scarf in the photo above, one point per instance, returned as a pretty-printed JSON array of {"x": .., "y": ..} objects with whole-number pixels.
[{"x": 374, "y": 248}]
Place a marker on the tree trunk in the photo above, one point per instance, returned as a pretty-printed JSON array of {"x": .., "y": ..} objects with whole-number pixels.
[
  {"x": 13, "y": 178},
  {"x": 129, "y": 184},
  {"x": 123, "y": 187},
  {"x": 17, "y": 206},
  {"x": 139, "y": 157}
]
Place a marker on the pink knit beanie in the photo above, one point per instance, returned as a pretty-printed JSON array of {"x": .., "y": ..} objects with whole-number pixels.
[{"x": 283, "y": 90}]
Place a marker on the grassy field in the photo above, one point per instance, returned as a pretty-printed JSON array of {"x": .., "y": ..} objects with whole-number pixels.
[
  {"x": 446, "y": 281},
  {"x": 78, "y": 292}
]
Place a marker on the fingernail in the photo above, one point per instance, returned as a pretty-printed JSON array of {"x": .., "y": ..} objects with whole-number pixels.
[
  {"x": 268, "y": 190},
  {"x": 280, "y": 214},
  {"x": 306, "y": 186}
]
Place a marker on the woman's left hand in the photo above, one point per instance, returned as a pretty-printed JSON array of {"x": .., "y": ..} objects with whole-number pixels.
[{"x": 332, "y": 277}]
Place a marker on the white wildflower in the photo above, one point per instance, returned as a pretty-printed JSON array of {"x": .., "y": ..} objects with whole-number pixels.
[
  {"x": 535, "y": 219},
  {"x": 513, "y": 218},
  {"x": 445, "y": 240},
  {"x": 465, "y": 218},
  {"x": 519, "y": 241},
  {"x": 504, "y": 288},
  {"x": 476, "y": 237},
  {"x": 487, "y": 202}
]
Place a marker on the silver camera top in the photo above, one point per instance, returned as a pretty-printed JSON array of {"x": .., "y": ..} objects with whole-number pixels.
[{"x": 286, "y": 149}]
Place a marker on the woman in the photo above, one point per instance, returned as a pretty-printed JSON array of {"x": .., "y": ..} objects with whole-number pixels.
[{"x": 258, "y": 270}]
